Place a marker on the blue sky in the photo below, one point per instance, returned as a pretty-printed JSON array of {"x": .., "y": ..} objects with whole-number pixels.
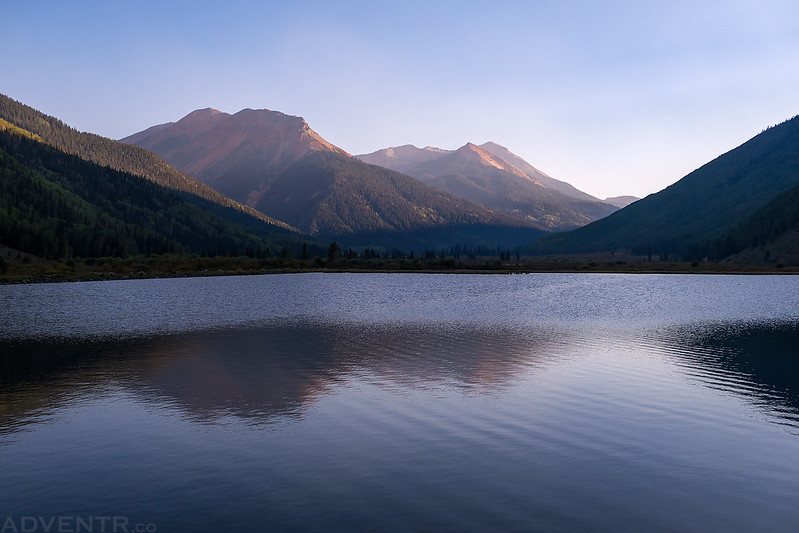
[{"x": 614, "y": 97}]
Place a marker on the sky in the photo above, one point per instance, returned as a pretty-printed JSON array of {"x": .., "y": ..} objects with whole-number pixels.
[{"x": 614, "y": 97}]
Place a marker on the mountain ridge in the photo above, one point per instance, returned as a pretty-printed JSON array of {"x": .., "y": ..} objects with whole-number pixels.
[
  {"x": 279, "y": 165},
  {"x": 620, "y": 201},
  {"x": 484, "y": 174},
  {"x": 316, "y": 193},
  {"x": 533, "y": 172},
  {"x": 119, "y": 156},
  {"x": 239, "y": 154},
  {"x": 683, "y": 219},
  {"x": 58, "y": 205}
]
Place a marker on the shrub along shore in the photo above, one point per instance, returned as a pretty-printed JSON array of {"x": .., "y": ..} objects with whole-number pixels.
[{"x": 33, "y": 270}]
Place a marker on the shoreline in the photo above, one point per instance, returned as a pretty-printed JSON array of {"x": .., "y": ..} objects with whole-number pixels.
[{"x": 48, "y": 275}]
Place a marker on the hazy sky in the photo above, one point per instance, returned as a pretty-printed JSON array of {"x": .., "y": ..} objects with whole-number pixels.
[{"x": 614, "y": 97}]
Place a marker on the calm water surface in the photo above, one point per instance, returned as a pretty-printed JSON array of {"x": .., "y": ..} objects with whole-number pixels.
[{"x": 338, "y": 402}]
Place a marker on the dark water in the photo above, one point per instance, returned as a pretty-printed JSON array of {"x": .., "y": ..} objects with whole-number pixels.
[{"x": 401, "y": 403}]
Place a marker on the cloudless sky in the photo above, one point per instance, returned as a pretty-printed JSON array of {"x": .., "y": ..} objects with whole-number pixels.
[{"x": 615, "y": 97}]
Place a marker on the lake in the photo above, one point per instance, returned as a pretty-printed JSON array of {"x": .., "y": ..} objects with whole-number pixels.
[{"x": 401, "y": 402}]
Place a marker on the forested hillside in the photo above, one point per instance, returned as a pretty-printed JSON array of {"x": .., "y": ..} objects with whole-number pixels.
[
  {"x": 690, "y": 218},
  {"x": 116, "y": 155},
  {"x": 330, "y": 194},
  {"x": 57, "y": 206},
  {"x": 776, "y": 221}
]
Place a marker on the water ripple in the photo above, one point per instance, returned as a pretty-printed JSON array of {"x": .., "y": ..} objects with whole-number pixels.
[{"x": 398, "y": 403}]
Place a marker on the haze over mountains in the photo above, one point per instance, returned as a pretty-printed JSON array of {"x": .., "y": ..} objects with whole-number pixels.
[{"x": 621, "y": 201}]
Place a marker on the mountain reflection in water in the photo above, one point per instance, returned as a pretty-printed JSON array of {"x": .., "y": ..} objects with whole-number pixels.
[
  {"x": 758, "y": 362},
  {"x": 267, "y": 374},
  {"x": 404, "y": 402}
]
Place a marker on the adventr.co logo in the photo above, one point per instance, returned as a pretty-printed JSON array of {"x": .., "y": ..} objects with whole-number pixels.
[{"x": 74, "y": 524}]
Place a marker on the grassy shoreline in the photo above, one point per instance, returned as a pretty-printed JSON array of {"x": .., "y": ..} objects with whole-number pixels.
[{"x": 38, "y": 271}]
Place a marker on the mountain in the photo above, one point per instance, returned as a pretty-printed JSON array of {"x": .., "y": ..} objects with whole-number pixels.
[
  {"x": 126, "y": 158},
  {"x": 57, "y": 206},
  {"x": 331, "y": 194},
  {"x": 240, "y": 155},
  {"x": 494, "y": 177},
  {"x": 688, "y": 218},
  {"x": 403, "y": 158},
  {"x": 537, "y": 175},
  {"x": 277, "y": 164},
  {"x": 621, "y": 201}
]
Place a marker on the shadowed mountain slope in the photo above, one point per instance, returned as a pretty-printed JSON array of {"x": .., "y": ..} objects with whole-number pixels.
[
  {"x": 329, "y": 194},
  {"x": 769, "y": 235},
  {"x": 687, "y": 217}
]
